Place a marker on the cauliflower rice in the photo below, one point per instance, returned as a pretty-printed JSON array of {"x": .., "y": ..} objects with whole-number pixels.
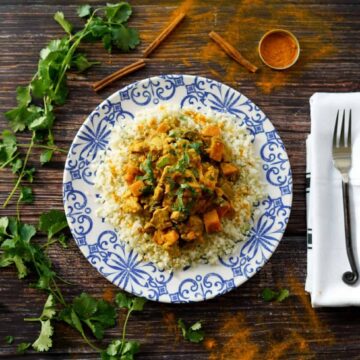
[{"x": 111, "y": 186}]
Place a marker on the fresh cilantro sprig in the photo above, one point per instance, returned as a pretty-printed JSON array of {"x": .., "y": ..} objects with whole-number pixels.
[
  {"x": 48, "y": 88},
  {"x": 271, "y": 295},
  {"x": 87, "y": 312},
  {"x": 123, "y": 349},
  {"x": 16, "y": 247},
  {"x": 193, "y": 333}
]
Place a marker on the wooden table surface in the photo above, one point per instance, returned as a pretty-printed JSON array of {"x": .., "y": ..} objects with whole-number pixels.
[{"x": 240, "y": 323}]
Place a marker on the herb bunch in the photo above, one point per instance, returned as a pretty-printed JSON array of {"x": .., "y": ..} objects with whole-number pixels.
[
  {"x": 47, "y": 89},
  {"x": 84, "y": 313}
]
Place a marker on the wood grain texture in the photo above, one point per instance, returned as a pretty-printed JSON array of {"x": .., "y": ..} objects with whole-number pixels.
[{"x": 329, "y": 34}]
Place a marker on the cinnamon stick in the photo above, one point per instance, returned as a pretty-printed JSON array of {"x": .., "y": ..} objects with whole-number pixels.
[
  {"x": 118, "y": 74},
  {"x": 164, "y": 34},
  {"x": 232, "y": 52}
]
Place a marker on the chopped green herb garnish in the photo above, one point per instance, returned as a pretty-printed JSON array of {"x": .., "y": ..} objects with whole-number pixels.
[
  {"x": 163, "y": 162},
  {"x": 183, "y": 163},
  {"x": 196, "y": 146},
  {"x": 194, "y": 333},
  {"x": 270, "y": 295},
  {"x": 146, "y": 166}
]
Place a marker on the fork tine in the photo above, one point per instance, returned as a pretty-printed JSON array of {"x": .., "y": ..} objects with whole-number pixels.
[
  {"x": 349, "y": 131},
  {"x": 342, "y": 132},
  {"x": 335, "y": 130}
]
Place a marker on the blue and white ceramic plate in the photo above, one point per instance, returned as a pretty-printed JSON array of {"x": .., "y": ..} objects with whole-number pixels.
[{"x": 103, "y": 247}]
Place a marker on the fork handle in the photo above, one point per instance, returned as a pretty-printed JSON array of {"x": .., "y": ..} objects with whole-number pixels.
[{"x": 349, "y": 277}]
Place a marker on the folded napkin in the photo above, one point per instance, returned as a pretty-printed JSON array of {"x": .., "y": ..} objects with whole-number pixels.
[{"x": 327, "y": 258}]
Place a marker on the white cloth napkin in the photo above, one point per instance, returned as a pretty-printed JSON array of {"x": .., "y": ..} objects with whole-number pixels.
[{"x": 327, "y": 259}]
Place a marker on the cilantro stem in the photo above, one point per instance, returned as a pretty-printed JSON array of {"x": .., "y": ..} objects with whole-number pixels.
[
  {"x": 18, "y": 209},
  {"x": 57, "y": 290},
  {"x": 66, "y": 62},
  {"x": 48, "y": 243},
  {"x": 90, "y": 343},
  {"x": 9, "y": 161},
  {"x": 22, "y": 171},
  {"x": 54, "y": 148},
  {"x": 64, "y": 281},
  {"x": 31, "y": 319},
  {"x": 124, "y": 330}
]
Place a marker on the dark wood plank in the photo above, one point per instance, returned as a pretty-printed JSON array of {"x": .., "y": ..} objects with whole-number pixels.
[{"x": 329, "y": 33}]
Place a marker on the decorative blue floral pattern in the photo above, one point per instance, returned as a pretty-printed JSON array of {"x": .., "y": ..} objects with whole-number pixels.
[{"x": 103, "y": 247}]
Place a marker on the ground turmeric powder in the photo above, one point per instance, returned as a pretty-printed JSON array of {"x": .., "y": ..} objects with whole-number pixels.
[{"x": 278, "y": 49}]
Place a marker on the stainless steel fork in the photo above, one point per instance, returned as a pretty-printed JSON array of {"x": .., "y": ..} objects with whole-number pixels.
[{"x": 341, "y": 151}]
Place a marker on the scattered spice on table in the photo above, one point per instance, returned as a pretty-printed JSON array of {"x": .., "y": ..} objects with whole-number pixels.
[
  {"x": 171, "y": 325},
  {"x": 316, "y": 35}
]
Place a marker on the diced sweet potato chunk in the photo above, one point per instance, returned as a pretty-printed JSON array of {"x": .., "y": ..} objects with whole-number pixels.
[
  {"x": 212, "y": 222},
  {"x": 170, "y": 238},
  {"x": 225, "y": 210},
  {"x": 211, "y": 130},
  {"x": 130, "y": 173},
  {"x": 163, "y": 127},
  {"x": 137, "y": 187},
  {"x": 216, "y": 149},
  {"x": 228, "y": 169}
]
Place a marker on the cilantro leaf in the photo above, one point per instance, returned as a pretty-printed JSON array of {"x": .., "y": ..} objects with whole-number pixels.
[
  {"x": 118, "y": 13},
  {"x": 15, "y": 244},
  {"x": 123, "y": 301},
  {"x": 113, "y": 29},
  {"x": 9, "y": 339},
  {"x": 66, "y": 25},
  {"x": 17, "y": 249},
  {"x": 29, "y": 174},
  {"x": 20, "y": 116},
  {"x": 82, "y": 63},
  {"x": 124, "y": 38},
  {"x": 52, "y": 222},
  {"x": 97, "y": 315},
  {"x": 26, "y": 195},
  {"x": 270, "y": 295},
  {"x": 132, "y": 303},
  {"x": 84, "y": 11},
  {"x": 8, "y": 151},
  {"x": 283, "y": 294},
  {"x": 22, "y": 347},
  {"x": 46, "y": 156},
  {"x": 118, "y": 349},
  {"x": 44, "y": 341},
  {"x": 194, "y": 333}
]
